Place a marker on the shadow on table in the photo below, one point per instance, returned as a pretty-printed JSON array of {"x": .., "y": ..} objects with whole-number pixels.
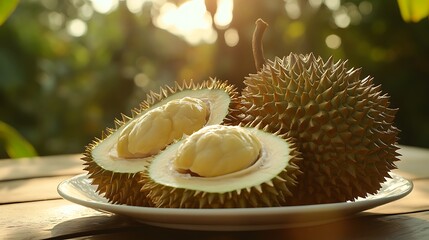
[{"x": 410, "y": 226}]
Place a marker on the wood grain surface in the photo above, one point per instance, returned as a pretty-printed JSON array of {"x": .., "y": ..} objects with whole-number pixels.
[{"x": 30, "y": 208}]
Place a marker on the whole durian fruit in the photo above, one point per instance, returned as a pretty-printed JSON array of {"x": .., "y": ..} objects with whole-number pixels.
[
  {"x": 115, "y": 161},
  {"x": 342, "y": 123}
]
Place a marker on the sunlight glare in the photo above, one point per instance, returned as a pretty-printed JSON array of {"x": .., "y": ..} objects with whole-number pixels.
[
  {"x": 292, "y": 9},
  {"x": 56, "y": 20},
  {"x": 189, "y": 20},
  {"x": 223, "y": 15},
  {"x": 141, "y": 80},
  {"x": 315, "y": 3},
  {"x": 85, "y": 11},
  {"x": 341, "y": 18},
  {"x": 76, "y": 27},
  {"x": 333, "y": 41},
  {"x": 135, "y": 6},
  {"x": 231, "y": 37},
  {"x": 333, "y": 4},
  {"x": 104, "y": 6}
]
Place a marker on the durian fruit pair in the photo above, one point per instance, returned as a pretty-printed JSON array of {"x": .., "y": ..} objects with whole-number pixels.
[
  {"x": 173, "y": 152},
  {"x": 303, "y": 131}
]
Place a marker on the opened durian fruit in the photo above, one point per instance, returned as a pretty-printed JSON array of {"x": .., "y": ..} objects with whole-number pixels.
[
  {"x": 223, "y": 167},
  {"x": 342, "y": 123},
  {"x": 115, "y": 161}
]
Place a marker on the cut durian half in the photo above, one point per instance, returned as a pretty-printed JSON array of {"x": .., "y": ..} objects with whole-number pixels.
[
  {"x": 114, "y": 161},
  {"x": 223, "y": 167}
]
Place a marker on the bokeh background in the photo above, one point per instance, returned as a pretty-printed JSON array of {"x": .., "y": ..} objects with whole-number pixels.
[{"x": 69, "y": 68}]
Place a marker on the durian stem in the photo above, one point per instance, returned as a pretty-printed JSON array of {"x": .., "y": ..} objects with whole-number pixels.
[{"x": 257, "y": 48}]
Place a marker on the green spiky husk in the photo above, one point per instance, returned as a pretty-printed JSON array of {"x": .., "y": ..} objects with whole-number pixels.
[
  {"x": 117, "y": 188},
  {"x": 343, "y": 124},
  {"x": 124, "y": 188},
  {"x": 275, "y": 192}
]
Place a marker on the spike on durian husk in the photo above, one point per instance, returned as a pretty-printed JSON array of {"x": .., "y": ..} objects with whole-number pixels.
[
  {"x": 343, "y": 124},
  {"x": 276, "y": 191},
  {"x": 118, "y": 188},
  {"x": 124, "y": 187},
  {"x": 264, "y": 195}
]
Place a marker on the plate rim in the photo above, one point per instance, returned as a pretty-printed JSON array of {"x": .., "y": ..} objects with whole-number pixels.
[{"x": 162, "y": 215}]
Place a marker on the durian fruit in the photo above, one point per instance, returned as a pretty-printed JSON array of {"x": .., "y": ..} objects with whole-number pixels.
[
  {"x": 114, "y": 161},
  {"x": 223, "y": 167},
  {"x": 342, "y": 123}
]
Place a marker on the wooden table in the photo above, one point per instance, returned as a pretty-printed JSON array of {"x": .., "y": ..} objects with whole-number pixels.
[{"x": 30, "y": 208}]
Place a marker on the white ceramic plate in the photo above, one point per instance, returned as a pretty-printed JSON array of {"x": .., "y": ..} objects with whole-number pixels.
[{"x": 79, "y": 190}]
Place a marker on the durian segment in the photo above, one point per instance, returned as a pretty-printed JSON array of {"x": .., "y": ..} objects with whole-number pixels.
[
  {"x": 159, "y": 127},
  {"x": 116, "y": 177},
  {"x": 343, "y": 124},
  {"x": 217, "y": 150},
  {"x": 267, "y": 182}
]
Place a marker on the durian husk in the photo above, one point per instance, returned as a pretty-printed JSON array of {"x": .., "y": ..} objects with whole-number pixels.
[
  {"x": 343, "y": 124},
  {"x": 274, "y": 192},
  {"x": 124, "y": 188}
]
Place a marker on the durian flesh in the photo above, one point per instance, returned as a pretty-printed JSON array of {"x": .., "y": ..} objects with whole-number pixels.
[
  {"x": 151, "y": 132},
  {"x": 216, "y": 151},
  {"x": 343, "y": 124},
  {"x": 261, "y": 177},
  {"x": 114, "y": 161}
]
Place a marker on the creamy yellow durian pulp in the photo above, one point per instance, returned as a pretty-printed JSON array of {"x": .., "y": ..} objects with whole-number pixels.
[
  {"x": 217, "y": 150},
  {"x": 153, "y": 131},
  {"x": 128, "y": 149}
]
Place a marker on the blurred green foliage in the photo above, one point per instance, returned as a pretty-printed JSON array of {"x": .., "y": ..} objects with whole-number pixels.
[
  {"x": 14, "y": 144},
  {"x": 413, "y": 10},
  {"x": 60, "y": 87},
  {"x": 6, "y": 9}
]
